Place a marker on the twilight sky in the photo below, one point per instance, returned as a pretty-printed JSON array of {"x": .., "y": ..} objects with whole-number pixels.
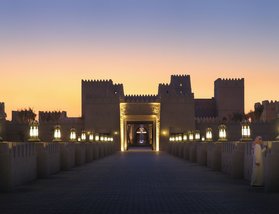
[{"x": 48, "y": 46}]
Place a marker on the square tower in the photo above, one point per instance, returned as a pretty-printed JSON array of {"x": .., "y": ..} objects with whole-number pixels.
[{"x": 229, "y": 96}]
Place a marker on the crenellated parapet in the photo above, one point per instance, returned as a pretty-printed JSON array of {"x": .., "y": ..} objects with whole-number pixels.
[
  {"x": 105, "y": 88},
  {"x": 52, "y": 116},
  {"x": 206, "y": 119},
  {"x": 141, "y": 98},
  {"x": 179, "y": 85},
  {"x": 229, "y": 82}
]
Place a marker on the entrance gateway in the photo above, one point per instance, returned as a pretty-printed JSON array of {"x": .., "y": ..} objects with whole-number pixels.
[{"x": 140, "y": 122}]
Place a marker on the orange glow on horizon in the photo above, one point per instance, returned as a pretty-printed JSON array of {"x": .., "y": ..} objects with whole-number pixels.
[{"x": 53, "y": 82}]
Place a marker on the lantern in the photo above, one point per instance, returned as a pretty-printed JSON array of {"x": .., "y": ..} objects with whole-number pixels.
[
  {"x": 73, "y": 135},
  {"x": 222, "y": 133},
  {"x": 208, "y": 134},
  {"x": 57, "y": 134},
  {"x": 191, "y": 136},
  {"x": 34, "y": 132},
  {"x": 245, "y": 131},
  {"x": 197, "y": 135},
  {"x": 83, "y": 136}
]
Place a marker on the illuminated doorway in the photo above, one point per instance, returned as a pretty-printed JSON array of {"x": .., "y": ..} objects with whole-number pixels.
[{"x": 140, "y": 134}]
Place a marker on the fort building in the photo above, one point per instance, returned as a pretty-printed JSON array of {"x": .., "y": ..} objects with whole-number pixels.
[{"x": 144, "y": 120}]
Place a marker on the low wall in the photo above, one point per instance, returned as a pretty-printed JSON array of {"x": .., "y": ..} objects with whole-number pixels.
[
  {"x": 48, "y": 158},
  {"x": 214, "y": 160},
  {"x": 80, "y": 153},
  {"x": 23, "y": 162},
  {"x": 193, "y": 152},
  {"x": 18, "y": 164},
  {"x": 202, "y": 153},
  {"x": 248, "y": 160},
  {"x": 67, "y": 155},
  {"x": 233, "y": 158},
  {"x": 271, "y": 168}
]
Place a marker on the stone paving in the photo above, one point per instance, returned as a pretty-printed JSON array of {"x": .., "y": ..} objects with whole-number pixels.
[{"x": 139, "y": 182}]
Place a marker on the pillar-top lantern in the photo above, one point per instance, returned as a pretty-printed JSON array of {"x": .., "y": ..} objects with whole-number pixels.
[
  {"x": 73, "y": 135},
  {"x": 83, "y": 136},
  {"x": 245, "y": 131},
  {"x": 91, "y": 137},
  {"x": 208, "y": 135},
  {"x": 197, "y": 135},
  {"x": 222, "y": 133},
  {"x": 191, "y": 135},
  {"x": 34, "y": 132},
  {"x": 57, "y": 134},
  {"x": 185, "y": 138}
]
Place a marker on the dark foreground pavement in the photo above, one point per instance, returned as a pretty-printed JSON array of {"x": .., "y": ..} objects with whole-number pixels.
[{"x": 139, "y": 182}]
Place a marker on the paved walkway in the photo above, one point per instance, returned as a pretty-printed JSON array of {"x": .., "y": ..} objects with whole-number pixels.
[{"x": 139, "y": 182}]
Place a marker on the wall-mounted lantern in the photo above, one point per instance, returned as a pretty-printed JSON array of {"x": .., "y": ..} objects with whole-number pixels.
[
  {"x": 57, "y": 133},
  {"x": 222, "y": 133},
  {"x": 208, "y": 134},
  {"x": 34, "y": 132},
  {"x": 73, "y": 135}
]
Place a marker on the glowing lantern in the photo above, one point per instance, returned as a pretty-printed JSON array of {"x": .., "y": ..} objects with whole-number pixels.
[
  {"x": 73, "y": 135},
  {"x": 97, "y": 137},
  {"x": 245, "y": 131},
  {"x": 197, "y": 135},
  {"x": 222, "y": 133},
  {"x": 208, "y": 134},
  {"x": 34, "y": 132},
  {"x": 91, "y": 137},
  {"x": 179, "y": 137},
  {"x": 185, "y": 138},
  {"x": 57, "y": 134},
  {"x": 83, "y": 136},
  {"x": 191, "y": 136}
]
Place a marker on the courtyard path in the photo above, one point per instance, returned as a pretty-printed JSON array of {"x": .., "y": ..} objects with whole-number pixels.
[{"x": 139, "y": 182}]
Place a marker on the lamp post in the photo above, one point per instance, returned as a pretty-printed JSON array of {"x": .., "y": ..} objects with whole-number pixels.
[
  {"x": 208, "y": 135},
  {"x": 57, "y": 134},
  {"x": 222, "y": 133},
  {"x": 73, "y": 135},
  {"x": 245, "y": 131},
  {"x": 34, "y": 132}
]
